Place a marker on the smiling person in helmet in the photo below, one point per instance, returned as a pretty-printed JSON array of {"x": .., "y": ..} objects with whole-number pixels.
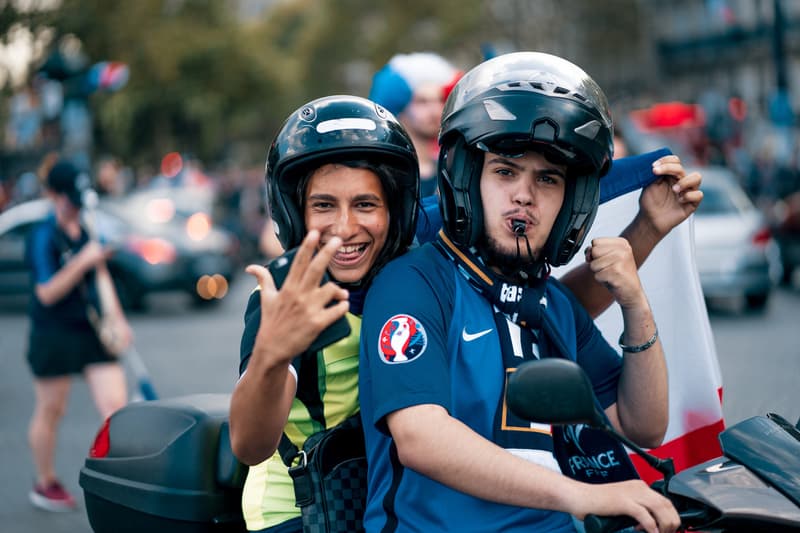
[
  {"x": 342, "y": 181},
  {"x": 525, "y": 140}
]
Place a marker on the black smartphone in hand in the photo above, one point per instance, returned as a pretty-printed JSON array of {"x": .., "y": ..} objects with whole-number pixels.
[{"x": 279, "y": 268}]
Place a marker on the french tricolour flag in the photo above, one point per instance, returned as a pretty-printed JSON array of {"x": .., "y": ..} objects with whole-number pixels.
[{"x": 670, "y": 279}]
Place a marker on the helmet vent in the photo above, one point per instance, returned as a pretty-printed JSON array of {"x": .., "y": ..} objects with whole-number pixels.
[
  {"x": 496, "y": 111},
  {"x": 541, "y": 85},
  {"x": 588, "y": 130}
]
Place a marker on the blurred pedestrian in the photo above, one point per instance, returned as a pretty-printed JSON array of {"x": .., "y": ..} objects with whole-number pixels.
[
  {"x": 111, "y": 179},
  {"x": 23, "y": 129},
  {"x": 27, "y": 187},
  {"x": 5, "y": 197},
  {"x": 66, "y": 265},
  {"x": 620, "y": 144},
  {"x": 414, "y": 87}
]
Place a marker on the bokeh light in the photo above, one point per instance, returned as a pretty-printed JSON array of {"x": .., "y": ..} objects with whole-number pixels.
[
  {"x": 210, "y": 287},
  {"x": 154, "y": 251},
  {"x": 198, "y": 226},
  {"x": 171, "y": 164},
  {"x": 202, "y": 287},
  {"x": 160, "y": 210}
]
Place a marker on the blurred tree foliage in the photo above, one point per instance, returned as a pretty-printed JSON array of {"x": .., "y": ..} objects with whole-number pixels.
[
  {"x": 198, "y": 79},
  {"x": 208, "y": 79}
]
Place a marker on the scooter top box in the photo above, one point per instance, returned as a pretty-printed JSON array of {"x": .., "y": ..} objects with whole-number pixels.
[{"x": 166, "y": 465}]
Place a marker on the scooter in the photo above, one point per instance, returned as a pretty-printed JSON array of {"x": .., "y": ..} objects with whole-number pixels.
[
  {"x": 754, "y": 486},
  {"x": 167, "y": 465}
]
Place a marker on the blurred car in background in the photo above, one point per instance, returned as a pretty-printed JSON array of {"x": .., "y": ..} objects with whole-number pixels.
[
  {"x": 737, "y": 257},
  {"x": 158, "y": 248}
]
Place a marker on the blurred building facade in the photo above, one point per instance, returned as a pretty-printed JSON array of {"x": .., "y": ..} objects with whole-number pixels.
[
  {"x": 740, "y": 61},
  {"x": 745, "y": 47}
]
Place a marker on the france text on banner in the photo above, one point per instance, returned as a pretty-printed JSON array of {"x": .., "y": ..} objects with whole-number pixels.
[{"x": 670, "y": 279}]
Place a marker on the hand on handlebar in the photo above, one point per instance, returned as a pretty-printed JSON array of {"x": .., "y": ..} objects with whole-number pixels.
[{"x": 635, "y": 500}]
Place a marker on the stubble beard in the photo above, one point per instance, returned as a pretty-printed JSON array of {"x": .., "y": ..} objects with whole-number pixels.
[{"x": 506, "y": 259}]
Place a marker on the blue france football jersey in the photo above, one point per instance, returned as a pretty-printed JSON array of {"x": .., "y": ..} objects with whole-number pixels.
[{"x": 429, "y": 338}]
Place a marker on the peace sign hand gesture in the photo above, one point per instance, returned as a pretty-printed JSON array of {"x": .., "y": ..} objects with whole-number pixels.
[{"x": 294, "y": 315}]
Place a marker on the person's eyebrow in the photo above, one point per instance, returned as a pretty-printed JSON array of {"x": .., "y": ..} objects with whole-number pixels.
[
  {"x": 321, "y": 196},
  {"x": 332, "y": 198},
  {"x": 500, "y": 160},
  {"x": 367, "y": 196},
  {"x": 553, "y": 170}
]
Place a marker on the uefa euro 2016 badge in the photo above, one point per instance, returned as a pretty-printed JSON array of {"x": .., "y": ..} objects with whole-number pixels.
[{"x": 402, "y": 339}]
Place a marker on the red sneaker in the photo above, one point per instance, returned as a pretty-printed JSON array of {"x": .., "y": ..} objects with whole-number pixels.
[{"x": 52, "y": 498}]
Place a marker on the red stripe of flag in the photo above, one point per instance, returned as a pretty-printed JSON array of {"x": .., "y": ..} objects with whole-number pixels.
[{"x": 687, "y": 450}]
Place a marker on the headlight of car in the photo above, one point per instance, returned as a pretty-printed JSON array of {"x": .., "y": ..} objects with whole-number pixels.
[
  {"x": 153, "y": 250},
  {"x": 198, "y": 226}
]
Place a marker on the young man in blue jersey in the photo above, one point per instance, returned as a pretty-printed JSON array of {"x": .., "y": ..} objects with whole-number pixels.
[{"x": 525, "y": 139}]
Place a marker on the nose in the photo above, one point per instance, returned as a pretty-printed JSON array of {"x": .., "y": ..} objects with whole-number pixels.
[
  {"x": 345, "y": 225},
  {"x": 523, "y": 194}
]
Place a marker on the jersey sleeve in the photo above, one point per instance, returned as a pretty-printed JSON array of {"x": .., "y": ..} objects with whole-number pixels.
[
  {"x": 403, "y": 341},
  {"x": 252, "y": 319},
  {"x": 42, "y": 261},
  {"x": 598, "y": 359}
]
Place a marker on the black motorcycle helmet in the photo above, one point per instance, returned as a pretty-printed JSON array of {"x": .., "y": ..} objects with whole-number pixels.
[
  {"x": 519, "y": 101},
  {"x": 334, "y": 129}
]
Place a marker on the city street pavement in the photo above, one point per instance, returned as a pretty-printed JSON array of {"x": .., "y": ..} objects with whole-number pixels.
[
  {"x": 759, "y": 357},
  {"x": 190, "y": 350}
]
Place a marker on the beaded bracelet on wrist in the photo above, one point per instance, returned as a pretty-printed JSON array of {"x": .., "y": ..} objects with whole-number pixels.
[{"x": 638, "y": 348}]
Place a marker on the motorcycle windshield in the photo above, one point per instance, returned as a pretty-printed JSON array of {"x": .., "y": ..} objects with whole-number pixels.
[{"x": 768, "y": 450}]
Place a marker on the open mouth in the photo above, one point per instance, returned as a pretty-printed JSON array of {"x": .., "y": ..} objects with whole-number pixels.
[{"x": 349, "y": 254}]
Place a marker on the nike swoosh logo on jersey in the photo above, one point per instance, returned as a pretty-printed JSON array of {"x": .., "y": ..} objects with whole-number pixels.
[{"x": 472, "y": 336}]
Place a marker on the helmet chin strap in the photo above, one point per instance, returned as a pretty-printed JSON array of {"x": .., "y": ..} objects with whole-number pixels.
[
  {"x": 530, "y": 266},
  {"x": 524, "y": 268},
  {"x": 519, "y": 227}
]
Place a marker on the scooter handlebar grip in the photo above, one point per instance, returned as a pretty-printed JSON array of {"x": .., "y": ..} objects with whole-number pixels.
[{"x": 607, "y": 524}]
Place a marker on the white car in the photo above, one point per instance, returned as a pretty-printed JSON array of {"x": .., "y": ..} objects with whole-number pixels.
[{"x": 737, "y": 256}]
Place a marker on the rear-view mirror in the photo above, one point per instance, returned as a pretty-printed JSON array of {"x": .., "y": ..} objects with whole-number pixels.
[{"x": 552, "y": 391}]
